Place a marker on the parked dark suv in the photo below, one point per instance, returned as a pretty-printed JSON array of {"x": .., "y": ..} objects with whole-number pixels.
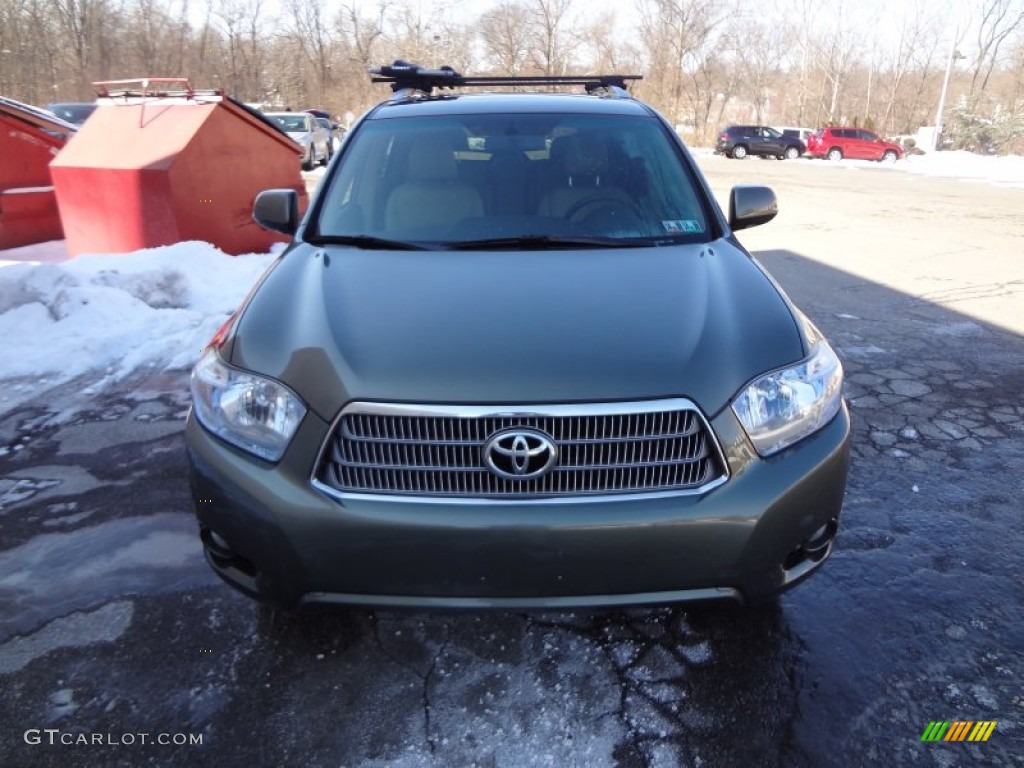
[
  {"x": 853, "y": 143},
  {"x": 515, "y": 357},
  {"x": 738, "y": 141}
]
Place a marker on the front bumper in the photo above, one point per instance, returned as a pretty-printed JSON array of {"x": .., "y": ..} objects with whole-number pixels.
[{"x": 268, "y": 532}]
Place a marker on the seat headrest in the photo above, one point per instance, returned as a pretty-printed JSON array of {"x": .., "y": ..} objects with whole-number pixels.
[
  {"x": 582, "y": 154},
  {"x": 433, "y": 159}
]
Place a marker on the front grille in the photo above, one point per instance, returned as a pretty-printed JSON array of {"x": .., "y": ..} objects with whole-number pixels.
[{"x": 601, "y": 449}]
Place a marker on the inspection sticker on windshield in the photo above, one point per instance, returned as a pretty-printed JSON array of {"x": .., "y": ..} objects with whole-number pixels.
[{"x": 682, "y": 225}]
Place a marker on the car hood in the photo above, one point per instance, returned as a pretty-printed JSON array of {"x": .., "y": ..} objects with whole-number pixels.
[{"x": 338, "y": 324}]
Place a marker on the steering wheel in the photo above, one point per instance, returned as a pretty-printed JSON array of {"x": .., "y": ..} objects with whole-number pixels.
[{"x": 589, "y": 206}]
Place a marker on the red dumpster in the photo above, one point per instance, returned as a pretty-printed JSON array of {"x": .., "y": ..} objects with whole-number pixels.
[
  {"x": 154, "y": 168},
  {"x": 29, "y": 139}
]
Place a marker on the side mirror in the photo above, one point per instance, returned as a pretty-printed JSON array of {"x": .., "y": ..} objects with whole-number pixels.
[
  {"x": 750, "y": 206},
  {"x": 277, "y": 210}
]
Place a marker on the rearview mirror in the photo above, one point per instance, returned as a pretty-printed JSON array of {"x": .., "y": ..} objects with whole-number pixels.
[
  {"x": 750, "y": 206},
  {"x": 277, "y": 210}
]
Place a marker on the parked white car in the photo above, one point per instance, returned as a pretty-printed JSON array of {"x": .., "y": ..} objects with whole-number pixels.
[
  {"x": 307, "y": 132},
  {"x": 794, "y": 132}
]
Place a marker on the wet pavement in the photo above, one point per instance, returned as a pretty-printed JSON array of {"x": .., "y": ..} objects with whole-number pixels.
[{"x": 112, "y": 626}]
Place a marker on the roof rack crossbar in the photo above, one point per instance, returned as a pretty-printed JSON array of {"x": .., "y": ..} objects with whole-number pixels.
[
  {"x": 405, "y": 77},
  {"x": 151, "y": 86}
]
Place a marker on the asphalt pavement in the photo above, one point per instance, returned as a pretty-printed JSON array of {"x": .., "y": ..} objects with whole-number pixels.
[{"x": 115, "y": 637}]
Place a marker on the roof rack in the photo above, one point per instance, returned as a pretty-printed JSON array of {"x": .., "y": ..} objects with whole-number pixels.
[
  {"x": 405, "y": 77},
  {"x": 151, "y": 86}
]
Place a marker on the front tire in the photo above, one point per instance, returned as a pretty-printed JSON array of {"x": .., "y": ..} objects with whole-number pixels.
[
  {"x": 310, "y": 163},
  {"x": 738, "y": 152},
  {"x": 889, "y": 156},
  {"x": 835, "y": 154},
  {"x": 792, "y": 153}
]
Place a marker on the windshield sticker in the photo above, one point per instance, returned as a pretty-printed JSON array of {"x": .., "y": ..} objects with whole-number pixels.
[{"x": 682, "y": 225}]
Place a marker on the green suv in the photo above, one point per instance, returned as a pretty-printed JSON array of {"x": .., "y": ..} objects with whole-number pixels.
[{"x": 515, "y": 357}]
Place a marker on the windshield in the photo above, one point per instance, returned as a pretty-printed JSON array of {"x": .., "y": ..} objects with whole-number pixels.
[
  {"x": 542, "y": 178},
  {"x": 72, "y": 113},
  {"x": 291, "y": 123}
]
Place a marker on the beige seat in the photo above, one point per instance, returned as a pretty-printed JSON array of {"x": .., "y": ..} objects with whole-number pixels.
[
  {"x": 583, "y": 170},
  {"x": 433, "y": 197}
]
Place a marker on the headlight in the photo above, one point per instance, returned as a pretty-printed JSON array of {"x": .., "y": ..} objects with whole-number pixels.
[
  {"x": 782, "y": 407},
  {"x": 255, "y": 413}
]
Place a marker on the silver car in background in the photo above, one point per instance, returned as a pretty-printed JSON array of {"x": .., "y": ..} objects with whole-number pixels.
[
  {"x": 334, "y": 133},
  {"x": 308, "y": 133}
]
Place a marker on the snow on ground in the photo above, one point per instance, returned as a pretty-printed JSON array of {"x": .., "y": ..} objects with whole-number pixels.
[
  {"x": 1006, "y": 170},
  {"x": 53, "y": 251},
  {"x": 115, "y": 314}
]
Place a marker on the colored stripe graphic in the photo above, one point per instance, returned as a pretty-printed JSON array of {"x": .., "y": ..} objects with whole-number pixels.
[
  {"x": 959, "y": 730},
  {"x": 982, "y": 731}
]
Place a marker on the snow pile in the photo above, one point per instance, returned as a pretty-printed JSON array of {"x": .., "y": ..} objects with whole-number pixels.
[
  {"x": 117, "y": 313},
  {"x": 1004, "y": 170}
]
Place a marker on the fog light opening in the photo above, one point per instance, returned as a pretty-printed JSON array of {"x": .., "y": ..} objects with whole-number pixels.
[
  {"x": 218, "y": 547},
  {"x": 222, "y": 554},
  {"x": 821, "y": 538},
  {"x": 815, "y": 548}
]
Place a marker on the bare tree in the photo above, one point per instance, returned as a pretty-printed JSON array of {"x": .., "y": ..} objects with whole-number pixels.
[
  {"x": 29, "y": 45},
  {"x": 79, "y": 22},
  {"x": 918, "y": 34},
  {"x": 415, "y": 33},
  {"x": 309, "y": 33},
  {"x": 802, "y": 49},
  {"x": 360, "y": 33},
  {"x": 999, "y": 20},
  {"x": 703, "y": 60},
  {"x": 240, "y": 22},
  {"x": 506, "y": 34},
  {"x": 759, "y": 56},
  {"x": 154, "y": 38},
  {"x": 553, "y": 47},
  {"x": 454, "y": 44},
  {"x": 680, "y": 38},
  {"x": 602, "y": 50},
  {"x": 835, "y": 55}
]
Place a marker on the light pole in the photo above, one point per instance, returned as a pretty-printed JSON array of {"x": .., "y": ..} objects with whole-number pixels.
[{"x": 953, "y": 55}]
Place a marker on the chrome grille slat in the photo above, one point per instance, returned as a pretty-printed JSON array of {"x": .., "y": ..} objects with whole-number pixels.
[{"x": 603, "y": 449}]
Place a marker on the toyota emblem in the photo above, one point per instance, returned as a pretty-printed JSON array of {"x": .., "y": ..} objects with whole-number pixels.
[{"x": 520, "y": 454}]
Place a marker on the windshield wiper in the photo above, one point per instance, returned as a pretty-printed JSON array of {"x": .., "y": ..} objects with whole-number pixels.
[
  {"x": 369, "y": 242},
  {"x": 543, "y": 242}
]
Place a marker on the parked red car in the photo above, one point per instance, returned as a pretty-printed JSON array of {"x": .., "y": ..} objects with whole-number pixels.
[{"x": 854, "y": 143}]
